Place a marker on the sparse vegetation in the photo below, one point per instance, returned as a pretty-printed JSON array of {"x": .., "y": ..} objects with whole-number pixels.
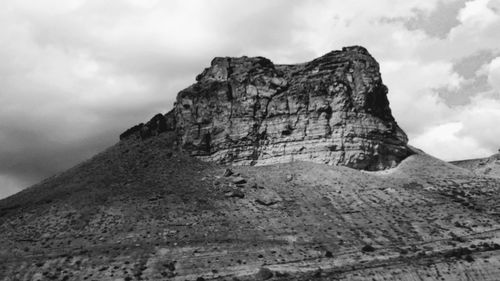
[
  {"x": 368, "y": 248},
  {"x": 132, "y": 223}
]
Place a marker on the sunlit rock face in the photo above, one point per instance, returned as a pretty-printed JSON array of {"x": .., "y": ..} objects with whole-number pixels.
[{"x": 249, "y": 111}]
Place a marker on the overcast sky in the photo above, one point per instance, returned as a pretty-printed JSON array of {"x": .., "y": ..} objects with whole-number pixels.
[{"x": 74, "y": 74}]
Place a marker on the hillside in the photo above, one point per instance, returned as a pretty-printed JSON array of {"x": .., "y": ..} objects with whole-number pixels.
[
  {"x": 141, "y": 211},
  {"x": 489, "y": 166}
]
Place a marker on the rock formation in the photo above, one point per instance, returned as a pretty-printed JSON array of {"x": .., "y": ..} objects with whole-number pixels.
[{"x": 249, "y": 111}]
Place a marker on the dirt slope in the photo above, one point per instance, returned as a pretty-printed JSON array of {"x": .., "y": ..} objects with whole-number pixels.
[
  {"x": 140, "y": 211},
  {"x": 489, "y": 166}
]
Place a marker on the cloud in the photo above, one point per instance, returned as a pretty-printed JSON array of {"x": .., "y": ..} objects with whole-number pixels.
[
  {"x": 478, "y": 25},
  {"x": 436, "y": 22},
  {"x": 478, "y": 13},
  {"x": 446, "y": 142},
  {"x": 413, "y": 101},
  {"x": 469, "y": 66},
  {"x": 480, "y": 122},
  {"x": 468, "y": 131},
  {"x": 9, "y": 186},
  {"x": 76, "y": 73},
  {"x": 494, "y": 74}
]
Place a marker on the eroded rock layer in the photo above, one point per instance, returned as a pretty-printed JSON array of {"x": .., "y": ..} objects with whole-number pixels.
[{"x": 249, "y": 111}]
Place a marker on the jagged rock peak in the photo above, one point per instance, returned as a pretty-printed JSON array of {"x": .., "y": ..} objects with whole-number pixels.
[{"x": 249, "y": 111}]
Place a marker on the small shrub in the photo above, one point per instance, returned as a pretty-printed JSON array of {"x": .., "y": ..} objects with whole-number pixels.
[
  {"x": 469, "y": 258},
  {"x": 264, "y": 274},
  {"x": 368, "y": 248}
]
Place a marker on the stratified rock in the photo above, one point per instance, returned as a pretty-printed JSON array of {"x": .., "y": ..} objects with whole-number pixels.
[
  {"x": 248, "y": 111},
  {"x": 158, "y": 124}
]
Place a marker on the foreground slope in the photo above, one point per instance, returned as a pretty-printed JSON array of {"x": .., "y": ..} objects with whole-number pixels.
[{"x": 143, "y": 211}]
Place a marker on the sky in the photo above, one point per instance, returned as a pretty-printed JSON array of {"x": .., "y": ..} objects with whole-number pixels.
[{"x": 74, "y": 74}]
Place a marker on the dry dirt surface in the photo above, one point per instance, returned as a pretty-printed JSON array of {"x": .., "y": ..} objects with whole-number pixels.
[{"x": 142, "y": 211}]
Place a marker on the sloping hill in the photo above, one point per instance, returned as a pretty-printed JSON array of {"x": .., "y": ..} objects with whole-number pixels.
[
  {"x": 144, "y": 211},
  {"x": 489, "y": 166}
]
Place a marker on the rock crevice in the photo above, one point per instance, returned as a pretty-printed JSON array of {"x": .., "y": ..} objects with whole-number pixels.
[{"x": 249, "y": 111}]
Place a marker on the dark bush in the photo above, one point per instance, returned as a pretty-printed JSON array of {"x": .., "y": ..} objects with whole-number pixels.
[{"x": 368, "y": 248}]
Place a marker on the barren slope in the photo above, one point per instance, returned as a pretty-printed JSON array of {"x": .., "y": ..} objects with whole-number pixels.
[
  {"x": 140, "y": 211},
  {"x": 489, "y": 166}
]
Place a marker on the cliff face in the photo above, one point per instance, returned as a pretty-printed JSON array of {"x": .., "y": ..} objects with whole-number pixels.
[{"x": 249, "y": 111}]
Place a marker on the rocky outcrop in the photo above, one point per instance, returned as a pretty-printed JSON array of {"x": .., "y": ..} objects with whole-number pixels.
[{"x": 249, "y": 111}]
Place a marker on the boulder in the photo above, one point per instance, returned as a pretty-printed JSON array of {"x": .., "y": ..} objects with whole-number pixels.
[
  {"x": 267, "y": 197},
  {"x": 227, "y": 173},
  {"x": 239, "y": 180},
  {"x": 235, "y": 193}
]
